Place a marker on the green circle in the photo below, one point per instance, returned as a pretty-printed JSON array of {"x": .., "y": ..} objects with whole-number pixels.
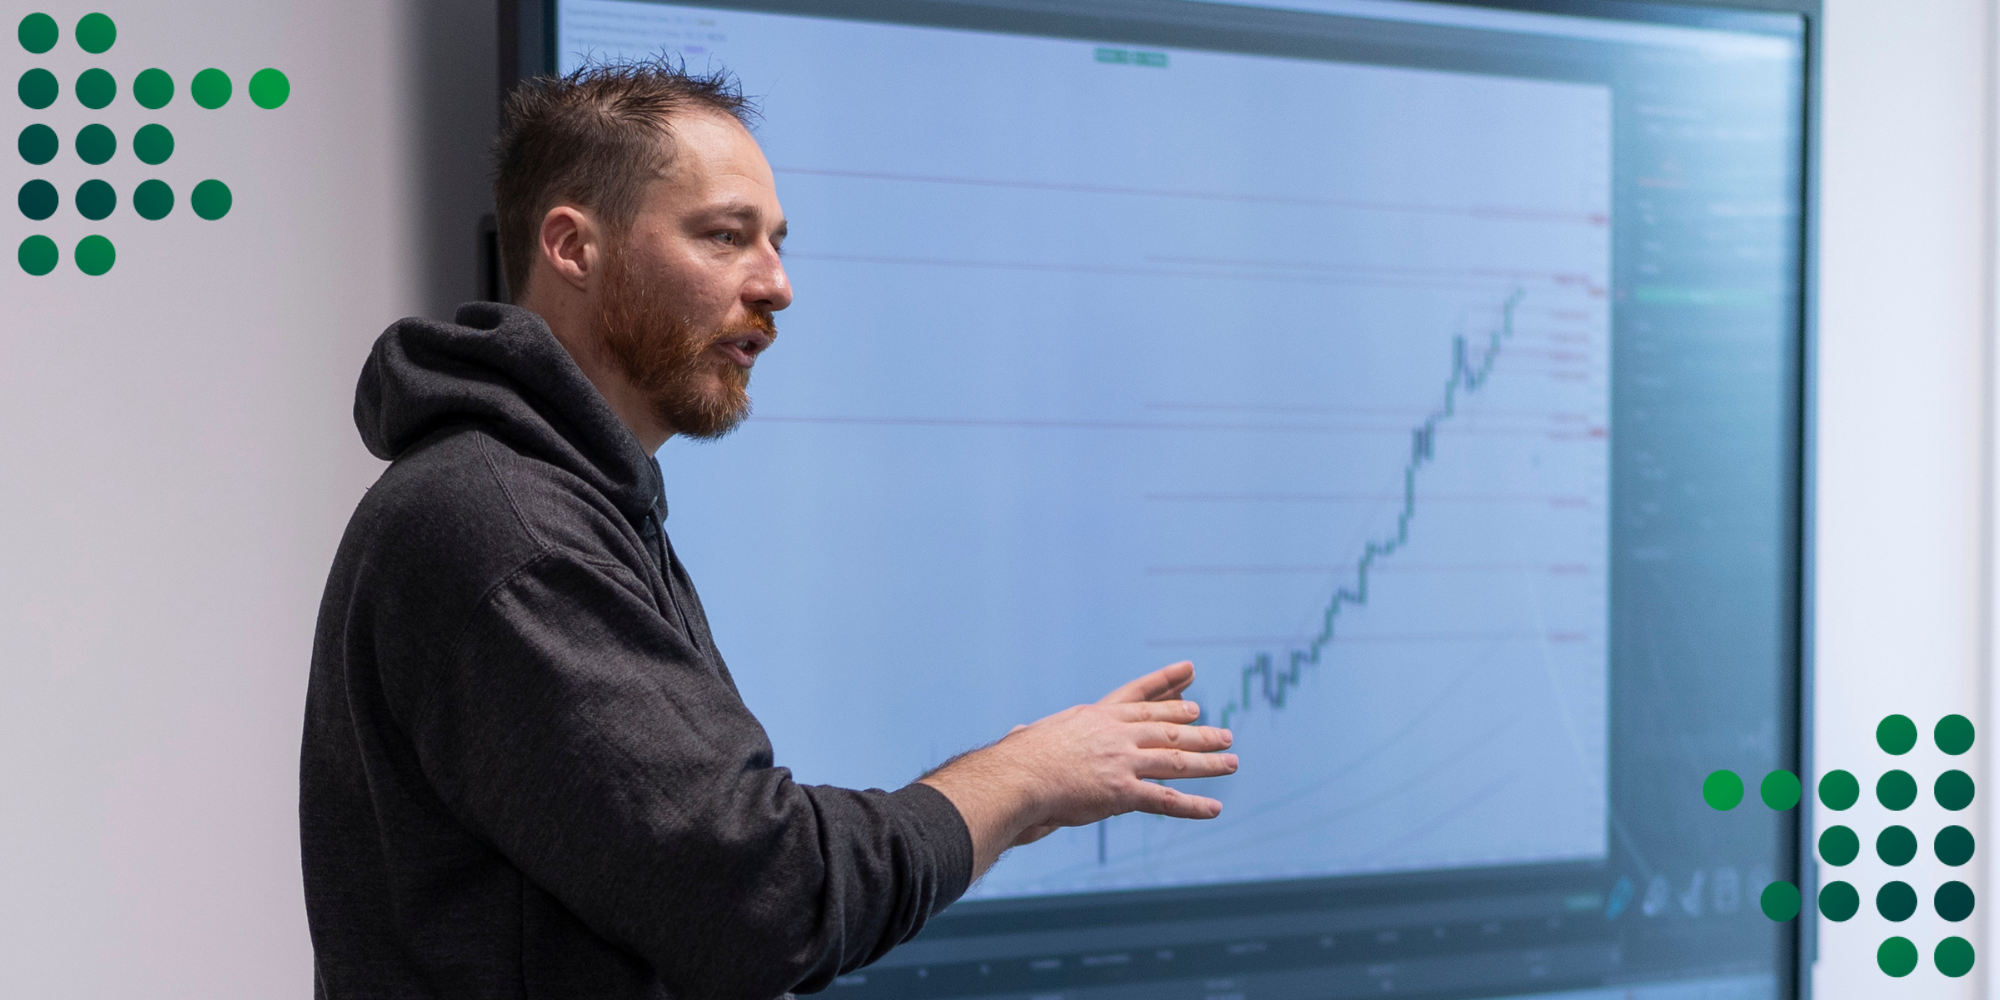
[
  {"x": 1780, "y": 790},
  {"x": 153, "y": 88},
  {"x": 96, "y": 144},
  {"x": 38, "y": 255},
  {"x": 1953, "y": 956},
  {"x": 153, "y": 144},
  {"x": 269, "y": 88},
  {"x": 38, "y": 33},
  {"x": 1897, "y": 957},
  {"x": 1953, "y": 790},
  {"x": 1839, "y": 846},
  {"x": 211, "y": 199},
  {"x": 38, "y": 199},
  {"x": 153, "y": 199},
  {"x": 1839, "y": 790},
  {"x": 1896, "y": 901},
  {"x": 1896, "y": 790},
  {"x": 1953, "y": 901},
  {"x": 1722, "y": 790},
  {"x": 1780, "y": 901},
  {"x": 1896, "y": 734},
  {"x": 1896, "y": 846},
  {"x": 38, "y": 144},
  {"x": 95, "y": 33},
  {"x": 38, "y": 88},
  {"x": 95, "y": 255},
  {"x": 1953, "y": 845},
  {"x": 1838, "y": 901},
  {"x": 210, "y": 88},
  {"x": 95, "y": 88},
  {"x": 96, "y": 200}
]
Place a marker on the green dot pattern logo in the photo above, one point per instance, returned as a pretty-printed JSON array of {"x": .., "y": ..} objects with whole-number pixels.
[
  {"x": 1722, "y": 790},
  {"x": 95, "y": 34},
  {"x": 269, "y": 89},
  {"x": 1953, "y": 956},
  {"x": 39, "y": 144},
  {"x": 210, "y": 88},
  {"x": 1896, "y": 735},
  {"x": 1953, "y": 790},
  {"x": 153, "y": 89},
  {"x": 96, "y": 89},
  {"x": 95, "y": 255},
  {"x": 38, "y": 255},
  {"x": 1838, "y": 901},
  {"x": 38, "y": 199},
  {"x": 1953, "y": 845},
  {"x": 1953, "y": 734},
  {"x": 210, "y": 199},
  {"x": 1896, "y": 790},
  {"x": 1839, "y": 846},
  {"x": 1897, "y": 957},
  {"x": 1780, "y": 790},
  {"x": 96, "y": 144},
  {"x": 38, "y": 33},
  {"x": 96, "y": 200},
  {"x": 1896, "y": 846},
  {"x": 153, "y": 200},
  {"x": 153, "y": 144},
  {"x": 38, "y": 88},
  {"x": 1839, "y": 790}
]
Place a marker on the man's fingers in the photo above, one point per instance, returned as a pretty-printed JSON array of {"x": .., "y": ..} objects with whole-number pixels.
[
  {"x": 1163, "y": 801},
  {"x": 1164, "y": 763},
  {"x": 1199, "y": 739},
  {"x": 1154, "y": 711},
  {"x": 1163, "y": 684}
]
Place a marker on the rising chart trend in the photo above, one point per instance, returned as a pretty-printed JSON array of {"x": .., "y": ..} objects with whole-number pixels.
[{"x": 1261, "y": 676}]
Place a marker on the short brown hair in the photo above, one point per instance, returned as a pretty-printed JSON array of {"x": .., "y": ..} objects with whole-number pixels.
[{"x": 592, "y": 138}]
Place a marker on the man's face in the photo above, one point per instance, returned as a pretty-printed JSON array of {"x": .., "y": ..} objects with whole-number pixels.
[{"x": 688, "y": 290}]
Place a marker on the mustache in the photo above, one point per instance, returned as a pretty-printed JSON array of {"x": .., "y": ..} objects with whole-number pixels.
[{"x": 756, "y": 322}]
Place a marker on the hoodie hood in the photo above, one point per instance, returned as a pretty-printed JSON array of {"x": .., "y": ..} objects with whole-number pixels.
[{"x": 499, "y": 367}]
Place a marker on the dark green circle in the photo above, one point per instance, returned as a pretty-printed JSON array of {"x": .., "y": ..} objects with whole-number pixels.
[
  {"x": 1839, "y": 790},
  {"x": 153, "y": 144},
  {"x": 38, "y": 88},
  {"x": 1896, "y": 790},
  {"x": 210, "y": 88},
  {"x": 269, "y": 88},
  {"x": 1896, "y": 901},
  {"x": 1953, "y": 790},
  {"x": 1953, "y": 956},
  {"x": 1722, "y": 790},
  {"x": 38, "y": 255},
  {"x": 1953, "y": 734},
  {"x": 38, "y": 144},
  {"x": 1953, "y": 845},
  {"x": 210, "y": 199},
  {"x": 95, "y": 33},
  {"x": 1780, "y": 901},
  {"x": 38, "y": 33},
  {"x": 1896, "y": 734},
  {"x": 1897, "y": 957},
  {"x": 96, "y": 200},
  {"x": 95, "y": 255},
  {"x": 153, "y": 199},
  {"x": 38, "y": 199},
  {"x": 1780, "y": 790},
  {"x": 1838, "y": 901},
  {"x": 153, "y": 88},
  {"x": 95, "y": 88},
  {"x": 1839, "y": 846},
  {"x": 96, "y": 144},
  {"x": 1953, "y": 901},
  {"x": 1896, "y": 846}
]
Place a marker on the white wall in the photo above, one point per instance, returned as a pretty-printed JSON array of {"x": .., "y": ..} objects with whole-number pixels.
[{"x": 1905, "y": 271}]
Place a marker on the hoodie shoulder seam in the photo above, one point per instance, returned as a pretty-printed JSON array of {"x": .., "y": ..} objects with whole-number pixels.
[{"x": 513, "y": 505}]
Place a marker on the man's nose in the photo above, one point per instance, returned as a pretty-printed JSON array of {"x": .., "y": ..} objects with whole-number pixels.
[{"x": 769, "y": 289}]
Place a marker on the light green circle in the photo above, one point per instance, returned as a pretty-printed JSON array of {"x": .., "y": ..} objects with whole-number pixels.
[
  {"x": 211, "y": 199},
  {"x": 1897, "y": 957},
  {"x": 269, "y": 88},
  {"x": 153, "y": 88},
  {"x": 95, "y": 33},
  {"x": 1780, "y": 901},
  {"x": 152, "y": 144},
  {"x": 210, "y": 88},
  {"x": 1722, "y": 790},
  {"x": 38, "y": 255},
  {"x": 1780, "y": 790},
  {"x": 96, "y": 88},
  {"x": 1896, "y": 735},
  {"x": 38, "y": 33},
  {"x": 153, "y": 200},
  {"x": 1954, "y": 956},
  {"x": 95, "y": 255}
]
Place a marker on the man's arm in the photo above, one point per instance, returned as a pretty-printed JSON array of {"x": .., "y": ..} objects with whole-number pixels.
[{"x": 1087, "y": 763}]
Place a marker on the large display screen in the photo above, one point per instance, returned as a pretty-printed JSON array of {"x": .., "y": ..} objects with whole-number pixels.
[{"x": 1429, "y": 375}]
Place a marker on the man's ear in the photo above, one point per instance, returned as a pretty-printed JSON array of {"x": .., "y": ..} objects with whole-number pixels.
[{"x": 571, "y": 245}]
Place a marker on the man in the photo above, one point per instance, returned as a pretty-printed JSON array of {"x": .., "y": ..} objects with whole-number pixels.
[{"x": 526, "y": 771}]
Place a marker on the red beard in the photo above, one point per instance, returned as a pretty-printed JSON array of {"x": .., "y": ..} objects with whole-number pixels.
[{"x": 690, "y": 390}]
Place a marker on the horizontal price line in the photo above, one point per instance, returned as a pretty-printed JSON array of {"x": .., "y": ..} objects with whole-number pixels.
[{"x": 1379, "y": 637}]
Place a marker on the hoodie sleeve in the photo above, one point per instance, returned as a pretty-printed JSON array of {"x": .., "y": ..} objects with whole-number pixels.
[{"x": 580, "y": 734}]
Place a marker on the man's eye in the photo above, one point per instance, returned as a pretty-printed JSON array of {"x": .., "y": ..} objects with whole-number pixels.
[{"x": 726, "y": 237}]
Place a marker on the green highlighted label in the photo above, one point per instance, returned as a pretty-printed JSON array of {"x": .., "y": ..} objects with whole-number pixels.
[
  {"x": 1896, "y": 846},
  {"x": 38, "y": 199},
  {"x": 1130, "y": 57},
  {"x": 153, "y": 144},
  {"x": 38, "y": 144},
  {"x": 1780, "y": 901},
  {"x": 1722, "y": 790},
  {"x": 38, "y": 255},
  {"x": 95, "y": 88},
  {"x": 1897, "y": 957},
  {"x": 210, "y": 200},
  {"x": 1780, "y": 790},
  {"x": 210, "y": 88},
  {"x": 1954, "y": 790},
  {"x": 1839, "y": 846},
  {"x": 1839, "y": 901},
  {"x": 1953, "y": 734},
  {"x": 38, "y": 88},
  {"x": 38, "y": 33},
  {"x": 269, "y": 88},
  {"x": 1953, "y": 956},
  {"x": 1839, "y": 790},
  {"x": 1896, "y": 790},
  {"x": 1953, "y": 901},
  {"x": 1895, "y": 901},
  {"x": 96, "y": 144},
  {"x": 95, "y": 33},
  {"x": 1953, "y": 845},
  {"x": 96, "y": 199},
  {"x": 153, "y": 200},
  {"x": 1896, "y": 735},
  {"x": 153, "y": 88},
  {"x": 95, "y": 255}
]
